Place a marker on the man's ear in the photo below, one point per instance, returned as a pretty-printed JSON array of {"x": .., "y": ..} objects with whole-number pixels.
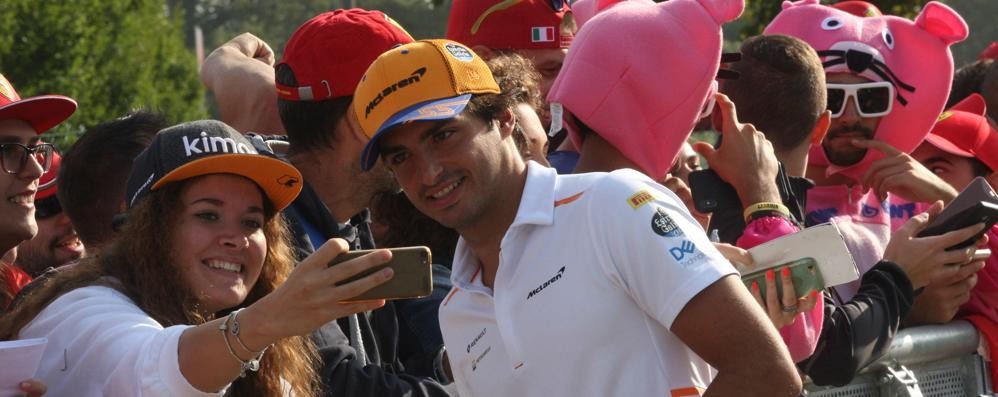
[
  {"x": 507, "y": 122},
  {"x": 353, "y": 125},
  {"x": 485, "y": 52},
  {"x": 821, "y": 127}
]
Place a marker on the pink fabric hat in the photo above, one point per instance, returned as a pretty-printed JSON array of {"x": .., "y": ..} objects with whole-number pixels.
[
  {"x": 639, "y": 74},
  {"x": 584, "y": 10},
  {"x": 913, "y": 55}
]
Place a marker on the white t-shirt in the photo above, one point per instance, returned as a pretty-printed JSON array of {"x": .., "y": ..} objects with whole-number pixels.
[
  {"x": 102, "y": 344},
  {"x": 592, "y": 273}
]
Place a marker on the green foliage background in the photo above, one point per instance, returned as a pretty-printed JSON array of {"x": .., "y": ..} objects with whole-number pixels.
[
  {"x": 115, "y": 55},
  {"x": 109, "y": 55}
]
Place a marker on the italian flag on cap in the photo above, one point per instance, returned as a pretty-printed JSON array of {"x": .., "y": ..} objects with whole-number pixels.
[{"x": 542, "y": 34}]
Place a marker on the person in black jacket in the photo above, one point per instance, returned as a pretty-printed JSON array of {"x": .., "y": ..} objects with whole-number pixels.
[
  {"x": 780, "y": 90},
  {"x": 396, "y": 350},
  {"x": 393, "y": 351}
]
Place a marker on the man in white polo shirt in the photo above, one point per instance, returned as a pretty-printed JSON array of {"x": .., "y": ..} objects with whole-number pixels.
[{"x": 565, "y": 285}]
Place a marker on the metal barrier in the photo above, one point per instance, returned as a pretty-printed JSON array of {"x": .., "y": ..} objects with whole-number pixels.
[{"x": 929, "y": 361}]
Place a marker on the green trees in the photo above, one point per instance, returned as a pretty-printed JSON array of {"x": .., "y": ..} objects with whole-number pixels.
[{"x": 110, "y": 55}]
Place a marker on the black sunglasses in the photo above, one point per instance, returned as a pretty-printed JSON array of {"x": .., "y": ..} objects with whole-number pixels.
[{"x": 47, "y": 207}]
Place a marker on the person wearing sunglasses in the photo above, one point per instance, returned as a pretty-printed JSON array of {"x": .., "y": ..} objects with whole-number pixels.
[
  {"x": 56, "y": 243},
  {"x": 887, "y": 80},
  {"x": 539, "y": 30}
]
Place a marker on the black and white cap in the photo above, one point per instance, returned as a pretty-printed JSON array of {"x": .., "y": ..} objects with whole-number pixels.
[{"x": 209, "y": 147}]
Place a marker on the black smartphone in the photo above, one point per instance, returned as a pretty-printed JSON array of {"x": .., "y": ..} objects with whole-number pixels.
[
  {"x": 977, "y": 203},
  {"x": 710, "y": 192},
  {"x": 413, "y": 276},
  {"x": 982, "y": 212}
]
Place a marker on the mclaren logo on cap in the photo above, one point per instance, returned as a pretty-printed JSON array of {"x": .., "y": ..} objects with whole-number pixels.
[
  {"x": 214, "y": 144},
  {"x": 5, "y": 89},
  {"x": 387, "y": 91}
]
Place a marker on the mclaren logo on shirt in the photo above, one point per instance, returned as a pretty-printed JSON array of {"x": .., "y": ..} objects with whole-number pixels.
[{"x": 538, "y": 290}]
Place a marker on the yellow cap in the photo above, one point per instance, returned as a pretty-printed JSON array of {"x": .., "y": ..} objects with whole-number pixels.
[{"x": 423, "y": 80}]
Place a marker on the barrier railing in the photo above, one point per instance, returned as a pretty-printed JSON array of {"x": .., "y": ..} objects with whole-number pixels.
[{"x": 929, "y": 361}]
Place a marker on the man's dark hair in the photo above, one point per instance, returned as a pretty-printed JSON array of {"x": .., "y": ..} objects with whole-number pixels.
[
  {"x": 989, "y": 89},
  {"x": 979, "y": 168},
  {"x": 94, "y": 170},
  {"x": 309, "y": 124},
  {"x": 968, "y": 79},
  {"x": 781, "y": 88}
]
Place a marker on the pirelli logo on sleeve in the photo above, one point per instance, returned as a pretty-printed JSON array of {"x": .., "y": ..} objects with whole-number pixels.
[{"x": 639, "y": 199}]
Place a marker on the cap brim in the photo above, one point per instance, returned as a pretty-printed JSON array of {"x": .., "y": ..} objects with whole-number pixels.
[
  {"x": 42, "y": 112},
  {"x": 280, "y": 181},
  {"x": 946, "y": 146},
  {"x": 436, "y": 109}
]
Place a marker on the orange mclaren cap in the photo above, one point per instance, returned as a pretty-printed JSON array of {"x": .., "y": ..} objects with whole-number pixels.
[{"x": 424, "y": 80}]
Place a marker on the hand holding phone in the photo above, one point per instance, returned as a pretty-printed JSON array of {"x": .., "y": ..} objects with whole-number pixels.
[
  {"x": 413, "y": 274},
  {"x": 804, "y": 274},
  {"x": 977, "y": 203}
]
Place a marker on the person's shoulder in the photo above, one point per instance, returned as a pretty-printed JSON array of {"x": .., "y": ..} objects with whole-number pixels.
[{"x": 626, "y": 188}]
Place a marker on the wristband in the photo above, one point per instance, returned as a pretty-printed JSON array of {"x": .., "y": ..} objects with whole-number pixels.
[{"x": 766, "y": 207}]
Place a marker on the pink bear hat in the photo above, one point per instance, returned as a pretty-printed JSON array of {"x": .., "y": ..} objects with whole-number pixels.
[
  {"x": 639, "y": 74},
  {"x": 913, "y": 56}
]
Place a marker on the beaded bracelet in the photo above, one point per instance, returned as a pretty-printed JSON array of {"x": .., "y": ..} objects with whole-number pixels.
[{"x": 253, "y": 364}]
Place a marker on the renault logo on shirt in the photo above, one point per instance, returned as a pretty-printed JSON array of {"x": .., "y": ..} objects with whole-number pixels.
[{"x": 552, "y": 280}]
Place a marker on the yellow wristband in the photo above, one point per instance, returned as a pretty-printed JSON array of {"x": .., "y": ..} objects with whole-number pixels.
[{"x": 765, "y": 207}]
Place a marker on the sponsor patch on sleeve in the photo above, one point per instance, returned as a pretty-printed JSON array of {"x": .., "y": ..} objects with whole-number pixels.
[
  {"x": 639, "y": 199},
  {"x": 663, "y": 225}
]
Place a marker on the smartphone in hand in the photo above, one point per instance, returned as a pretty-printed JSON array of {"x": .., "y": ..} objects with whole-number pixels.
[
  {"x": 413, "y": 274},
  {"x": 977, "y": 203},
  {"x": 803, "y": 272}
]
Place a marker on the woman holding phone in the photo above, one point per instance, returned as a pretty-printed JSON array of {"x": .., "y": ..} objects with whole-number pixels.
[{"x": 200, "y": 295}]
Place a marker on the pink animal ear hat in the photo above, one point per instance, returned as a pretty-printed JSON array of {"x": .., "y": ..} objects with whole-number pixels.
[
  {"x": 640, "y": 73},
  {"x": 913, "y": 55}
]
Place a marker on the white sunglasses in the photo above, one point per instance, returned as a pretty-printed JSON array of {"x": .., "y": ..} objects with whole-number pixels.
[{"x": 873, "y": 99}]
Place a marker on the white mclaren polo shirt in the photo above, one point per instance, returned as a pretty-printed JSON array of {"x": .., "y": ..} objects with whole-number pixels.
[{"x": 592, "y": 273}]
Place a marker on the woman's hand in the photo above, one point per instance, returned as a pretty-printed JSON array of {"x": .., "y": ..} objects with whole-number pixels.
[
  {"x": 311, "y": 297},
  {"x": 782, "y": 310}
]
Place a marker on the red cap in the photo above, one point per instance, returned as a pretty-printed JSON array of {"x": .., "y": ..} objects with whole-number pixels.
[
  {"x": 858, "y": 8},
  {"x": 963, "y": 130},
  {"x": 42, "y": 112},
  {"x": 989, "y": 53},
  {"x": 510, "y": 24},
  {"x": 330, "y": 52},
  {"x": 47, "y": 183}
]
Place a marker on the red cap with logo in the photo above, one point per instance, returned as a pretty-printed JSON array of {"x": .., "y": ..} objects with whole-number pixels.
[
  {"x": 511, "y": 24},
  {"x": 47, "y": 183},
  {"x": 330, "y": 52},
  {"x": 963, "y": 130},
  {"x": 41, "y": 112}
]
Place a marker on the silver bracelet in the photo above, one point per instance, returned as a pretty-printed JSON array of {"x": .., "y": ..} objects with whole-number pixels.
[
  {"x": 234, "y": 329},
  {"x": 253, "y": 364}
]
